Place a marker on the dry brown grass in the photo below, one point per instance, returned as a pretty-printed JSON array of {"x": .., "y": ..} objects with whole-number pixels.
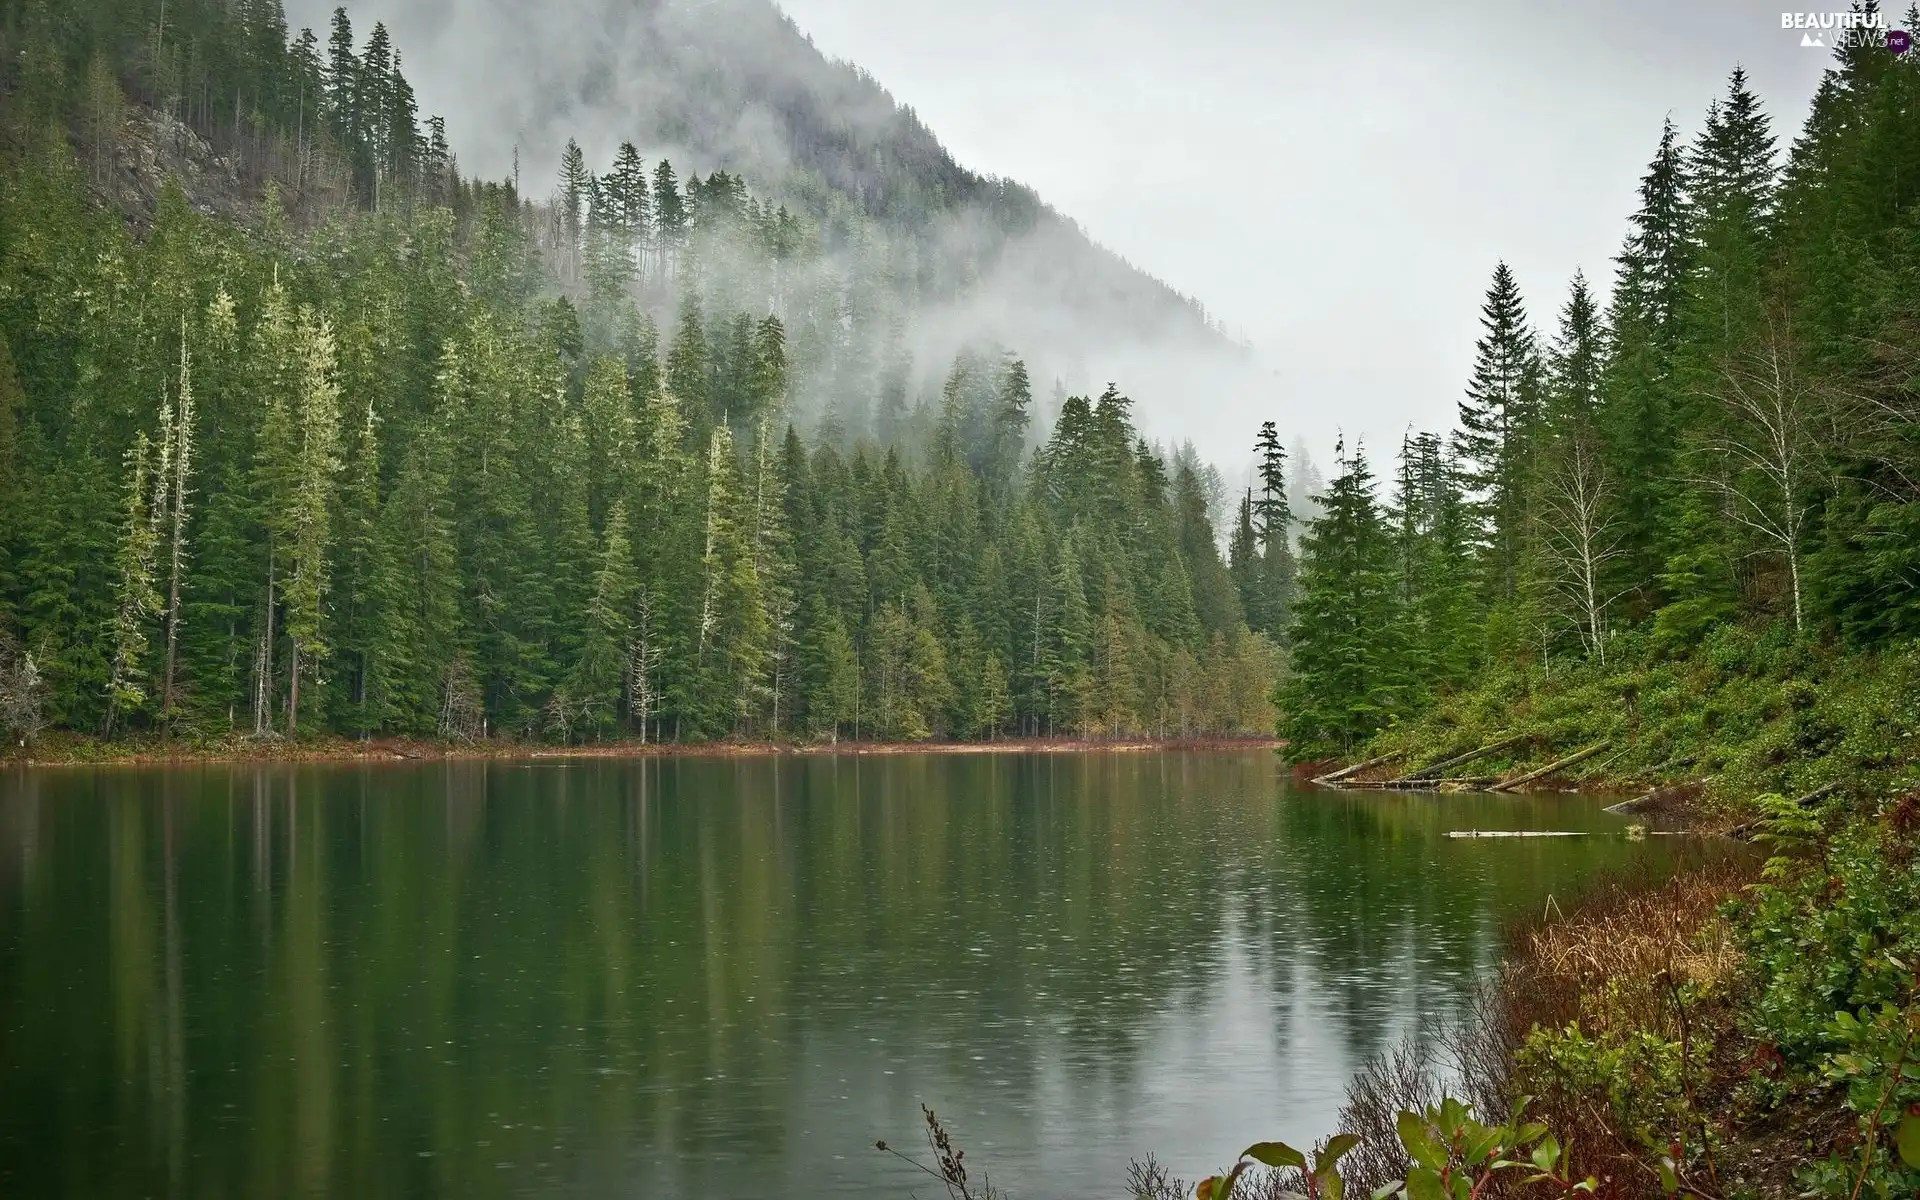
[
  {"x": 1625, "y": 934},
  {"x": 1621, "y": 960}
]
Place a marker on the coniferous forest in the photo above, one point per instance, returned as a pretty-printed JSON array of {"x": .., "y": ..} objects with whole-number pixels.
[
  {"x": 1728, "y": 439},
  {"x": 317, "y": 433},
  {"x": 321, "y": 435}
]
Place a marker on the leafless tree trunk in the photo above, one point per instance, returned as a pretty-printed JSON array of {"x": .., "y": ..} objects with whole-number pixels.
[
  {"x": 1771, "y": 449},
  {"x": 263, "y": 662},
  {"x": 182, "y": 471},
  {"x": 1581, "y": 535},
  {"x": 643, "y": 685}
]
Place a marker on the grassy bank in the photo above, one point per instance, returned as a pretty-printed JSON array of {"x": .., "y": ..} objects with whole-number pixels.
[
  {"x": 66, "y": 749},
  {"x": 1745, "y": 714},
  {"x": 1749, "y": 1027}
]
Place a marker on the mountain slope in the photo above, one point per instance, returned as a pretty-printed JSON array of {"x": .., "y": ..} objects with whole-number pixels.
[{"x": 734, "y": 84}]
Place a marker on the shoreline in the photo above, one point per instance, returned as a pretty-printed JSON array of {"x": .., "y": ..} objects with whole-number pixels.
[{"x": 74, "y": 751}]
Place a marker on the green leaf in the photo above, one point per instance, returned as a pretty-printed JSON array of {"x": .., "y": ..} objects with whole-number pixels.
[
  {"x": 1423, "y": 1184},
  {"x": 1275, "y": 1154},
  {"x": 1669, "y": 1180},
  {"x": 1335, "y": 1148},
  {"x": 1546, "y": 1155},
  {"x": 1419, "y": 1144},
  {"x": 1906, "y": 1136},
  {"x": 1387, "y": 1191}
]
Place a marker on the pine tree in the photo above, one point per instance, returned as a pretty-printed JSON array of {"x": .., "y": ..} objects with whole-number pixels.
[
  {"x": 832, "y": 671},
  {"x": 1497, "y": 424},
  {"x": 361, "y": 580},
  {"x": 669, "y": 220},
  {"x": 1575, "y": 361},
  {"x": 343, "y": 81},
  {"x": 575, "y": 183},
  {"x": 1273, "y": 527},
  {"x": 1730, "y": 176},
  {"x": 1011, "y": 416},
  {"x": 181, "y": 437},
  {"x": 1349, "y": 667},
  {"x": 1245, "y": 566},
  {"x": 135, "y": 598},
  {"x": 594, "y": 689},
  {"x": 1639, "y": 407},
  {"x": 304, "y": 514}
]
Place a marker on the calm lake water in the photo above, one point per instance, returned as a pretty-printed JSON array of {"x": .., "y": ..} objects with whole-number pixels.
[{"x": 719, "y": 977}]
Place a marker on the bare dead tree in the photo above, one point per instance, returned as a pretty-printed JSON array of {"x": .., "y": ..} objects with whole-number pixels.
[
  {"x": 23, "y": 690},
  {"x": 1580, "y": 536},
  {"x": 643, "y": 665},
  {"x": 1772, "y": 448}
]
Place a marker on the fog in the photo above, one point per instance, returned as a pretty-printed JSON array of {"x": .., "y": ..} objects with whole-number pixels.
[{"x": 1335, "y": 193}]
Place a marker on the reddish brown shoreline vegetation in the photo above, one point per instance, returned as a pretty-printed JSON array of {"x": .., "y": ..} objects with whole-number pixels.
[{"x": 67, "y": 750}]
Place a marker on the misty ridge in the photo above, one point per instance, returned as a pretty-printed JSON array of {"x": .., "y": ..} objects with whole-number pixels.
[{"x": 923, "y": 257}]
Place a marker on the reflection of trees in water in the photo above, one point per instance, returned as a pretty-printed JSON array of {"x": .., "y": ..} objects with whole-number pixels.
[{"x": 378, "y": 981}]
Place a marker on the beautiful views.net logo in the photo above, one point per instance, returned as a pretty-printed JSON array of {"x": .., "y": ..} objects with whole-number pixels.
[{"x": 1829, "y": 30}]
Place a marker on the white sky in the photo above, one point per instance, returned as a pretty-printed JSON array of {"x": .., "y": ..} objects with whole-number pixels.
[{"x": 1336, "y": 191}]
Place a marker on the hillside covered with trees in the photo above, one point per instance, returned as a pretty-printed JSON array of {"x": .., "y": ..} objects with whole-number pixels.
[
  {"x": 1728, "y": 437},
  {"x": 317, "y": 434},
  {"x": 1677, "y": 528}
]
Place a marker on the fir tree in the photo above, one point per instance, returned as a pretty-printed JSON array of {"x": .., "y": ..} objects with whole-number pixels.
[
  {"x": 1349, "y": 673},
  {"x": 1497, "y": 423}
]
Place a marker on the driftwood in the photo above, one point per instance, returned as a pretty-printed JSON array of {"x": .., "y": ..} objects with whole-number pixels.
[
  {"x": 1475, "y": 783},
  {"x": 1433, "y": 769},
  {"x": 1356, "y": 768},
  {"x": 1552, "y": 767},
  {"x": 1516, "y": 833},
  {"x": 1659, "y": 799}
]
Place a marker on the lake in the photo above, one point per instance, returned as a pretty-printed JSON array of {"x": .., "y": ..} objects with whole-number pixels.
[{"x": 721, "y": 977}]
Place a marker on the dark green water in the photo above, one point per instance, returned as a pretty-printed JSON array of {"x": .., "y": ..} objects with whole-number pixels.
[{"x": 718, "y": 977}]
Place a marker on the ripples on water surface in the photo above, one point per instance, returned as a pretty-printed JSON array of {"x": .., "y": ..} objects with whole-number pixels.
[{"x": 719, "y": 977}]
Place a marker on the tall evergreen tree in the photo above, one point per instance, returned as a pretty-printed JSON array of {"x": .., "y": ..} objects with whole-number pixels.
[
  {"x": 1498, "y": 421},
  {"x": 1349, "y": 674}
]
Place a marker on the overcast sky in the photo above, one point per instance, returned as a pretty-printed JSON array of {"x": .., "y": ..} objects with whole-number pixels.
[{"x": 1337, "y": 192}]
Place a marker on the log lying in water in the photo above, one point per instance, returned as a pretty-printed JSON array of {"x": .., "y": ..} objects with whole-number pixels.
[
  {"x": 1477, "y": 783},
  {"x": 1552, "y": 767},
  {"x": 1513, "y": 833},
  {"x": 1658, "y": 799},
  {"x": 1433, "y": 769},
  {"x": 1356, "y": 768}
]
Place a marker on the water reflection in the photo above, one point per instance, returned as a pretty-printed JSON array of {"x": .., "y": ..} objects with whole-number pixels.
[{"x": 718, "y": 977}]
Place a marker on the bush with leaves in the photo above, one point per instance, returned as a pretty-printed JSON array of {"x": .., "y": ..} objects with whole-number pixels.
[{"x": 1451, "y": 1156}]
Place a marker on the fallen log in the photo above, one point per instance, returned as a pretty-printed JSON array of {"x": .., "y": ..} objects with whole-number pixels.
[
  {"x": 1433, "y": 769},
  {"x": 1356, "y": 768},
  {"x": 1477, "y": 783},
  {"x": 1553, "y": 767},
  {"x": 1744, "y": 831},
  {"x": 1515, "y": 833},
  {"x": 1659, "y": 799}
]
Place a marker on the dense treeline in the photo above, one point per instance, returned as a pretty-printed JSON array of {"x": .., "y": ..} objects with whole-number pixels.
[
  {"x": 431, "y": 465},
  {"x": 1733, "y": 436}
]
